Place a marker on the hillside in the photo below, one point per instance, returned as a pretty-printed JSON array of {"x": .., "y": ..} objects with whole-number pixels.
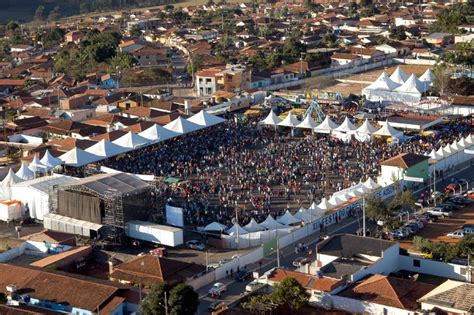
[{"x": 24, "y": 10}]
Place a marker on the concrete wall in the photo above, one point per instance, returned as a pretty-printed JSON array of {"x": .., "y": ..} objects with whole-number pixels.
[
  {"x": 384, "y": 265},
  {"x": 203, "y": 280},
  {"x": 13, "y": 253},
  {"x": 437, "y": 268}
]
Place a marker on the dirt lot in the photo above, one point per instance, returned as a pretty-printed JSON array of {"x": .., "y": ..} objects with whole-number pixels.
[
  {"x": 362, "y": 80},
  {"x": 437, "y": 231}
]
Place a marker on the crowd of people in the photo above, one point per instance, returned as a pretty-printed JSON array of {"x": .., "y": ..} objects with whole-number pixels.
[{"x": 241, "y": 169}]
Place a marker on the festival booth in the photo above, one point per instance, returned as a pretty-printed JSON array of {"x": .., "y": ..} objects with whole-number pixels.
[
  {"x": 271, "y": 120},
  {"x": 271, "y": 224},
  {"x": 381, "y": 89},
  {"x": 236, "y": 229},
  {"x": 452, "y": 155},
  {"x": 182, "y": 126},
  {"x": 215, "y": 227},
  {"x": 106, "y": 149},
  {"x": 36, "y": 166},
  {"x": 388, "y": 131},
  {"x": 25, "y": 173},
  {"x": 7, "y": 182},
  {"x": 50, "y": 161},
  {"x": 157, "y": 133},
  {"x": 131, "y": 140},
  {"x": 427, "y": 78},
  {"x": 77, "y": 158},
  {"x": 365, "y": 131},
  {"x": 253, "y": 226},
  {"x": 10, "y": 210},
  {"x": 288, "y": 219},
  {"x": 205, "y": 120},
  {"x": 307, "y": 123},
  {"x": 399, "y": 76},
  {"x": 326, "y": 126},
  {"x": 289, "y": 121}
]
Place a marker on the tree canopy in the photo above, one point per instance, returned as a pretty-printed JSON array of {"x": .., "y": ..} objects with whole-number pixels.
[
  {"x": 183, "y": 300},
  {"x": 154, "y": 303}
]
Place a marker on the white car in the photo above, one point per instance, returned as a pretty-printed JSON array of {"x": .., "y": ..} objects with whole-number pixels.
[
  {"x": 217, "y": 289},
  {"x": 440, "y": 212},
  {"x": 456, "y": 234},
  {"x": 252, "y": 286}
]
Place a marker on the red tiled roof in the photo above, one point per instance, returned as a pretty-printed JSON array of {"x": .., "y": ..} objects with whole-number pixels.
[{"x": 308, "y": 281}]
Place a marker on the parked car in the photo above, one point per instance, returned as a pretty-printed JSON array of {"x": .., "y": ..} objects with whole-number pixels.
[
  {"x": 217, "y": 289},
  {"x": 456, "y": 234},
  {"x": 216, "y": 306},
  {"x": 243, "y": 275},
  {"x": 440, "y": 212},
  {"x": 193, "y": 244},
  {"x": 160, "y": 252},
  {"x": 399, "y": 234},
  {"x": 252, "y": 286},
  {"x": 450, "y": 204},
  {"x": 462, "y": 200},
  {"x": 300, "y": 261},
  {"x": 412, "y": 228},
  {"x": 470, "y": 194}
]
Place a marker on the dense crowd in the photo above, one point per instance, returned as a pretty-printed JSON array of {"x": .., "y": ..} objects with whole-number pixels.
[{"x": 251, "y": 171}]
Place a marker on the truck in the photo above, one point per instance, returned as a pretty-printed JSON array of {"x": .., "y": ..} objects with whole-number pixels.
[{"x": 154, "y": 233}]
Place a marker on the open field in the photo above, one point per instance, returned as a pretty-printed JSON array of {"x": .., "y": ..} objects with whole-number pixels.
[{"x": 437, "y": 231}]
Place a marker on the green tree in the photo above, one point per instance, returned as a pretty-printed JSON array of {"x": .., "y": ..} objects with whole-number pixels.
[
  {"x": 403, "y": 200},
  {"x": 39, "y": 13},
  {"x": 398, "y": 32},
  {"x": 451, "y": 17},
  {"x": 466, "y": 246},
  {"x": 442, "y": 74},
  {"x": 196, "y": 64},
  {"x": 136, "y": 31},
  {"x": 291, "y": 292},
  {"x": 13, "y": 26},
  {"x": 154, "y": 303},
  {"x": 377, "y": 209},
  {"x": 183, "y": 300},
  {"x": 54, "y": 14},
  {"x": 121, "y": 61}
]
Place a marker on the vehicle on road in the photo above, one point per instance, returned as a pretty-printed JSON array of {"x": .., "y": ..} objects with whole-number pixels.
[
  {"x": 462, "y": 200},
  {"x": 399, "y": 234},
  {"x": 440, "y": 212},
  {"x": 216, "y": 306},
  {"x": 217, "y": 289},
  {"x": 243, "y": 275},
  {"x": 301, "y": 261},
  {"x": 252, "y": 286},
  {"x": 193, "y": 244},
  {"x": 452, "y": 188},
  {"x": 456, "y": 234},
  {"x": 470, "y": 194},
  {"x": 412, "y": 228},
  {"x": 450, "y": 205}
]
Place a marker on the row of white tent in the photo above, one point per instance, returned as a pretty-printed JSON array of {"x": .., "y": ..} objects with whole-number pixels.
[
  {"x": 453, "y": 154},
  {"x": 314, "y": 212},
  {"x": 130, "y": 141},
  {"x": 399, "y": 87},
  {"x": 362, "y": 133}
]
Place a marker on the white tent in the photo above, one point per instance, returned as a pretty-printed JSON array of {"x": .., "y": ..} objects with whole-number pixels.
[
  {"x": 362, "y": 189},
  {"x": 399, "y": 76},
  {"x": 205, "y": 119},
  {"x": 447, "y": 150},
  {"x": 182, "y": 126},
  {"x": 157, "y": 133},
  {"x": 335, "y": 201},
  {"x": 346, "y": 126},
  {"x": 236, "y": 229},
  {"x": 215, "y": 226},
  {"x": 105, "y": 148},
  {"x": 433, "y": 155},
  {"x": 366, "y": 128},
  {"x": 326, "y": 126},
  {"x": 412, "y": 86},
  {"x": 307, "y": 123},
  {"x": 305, "y": 215},
  {"x": 272, "y": 119},
  {"x": 427, "y": 77},
  {"x": 313, "y": 206},
  {"x": 77, "y": 157},
  {"x": 383, "y": 83},
  {"x": 25, "y": 173},
  {"x": 253, "y": 226},
  {"x": 271, "y": 224},
  {"x": 371, "y": 184},
  {"x": 7, "y": 182},
  {"x": 288, "y": 219},
  {"x": 289, "y": 121},
  {"x": 469, "y": 140},
  {"x": 49, "y": 160},
  {"x": 462, "y": 143},
  {"x": 324, "y": 204},
  {"x": 131, "y": 140},
  {"x": 441, "y": 153},
  {"x": 388, "y": 131},
  {"x": 36, "y": 166},
  {"x": 10, "y": 210},
  {"x": 316, "y": 213}
]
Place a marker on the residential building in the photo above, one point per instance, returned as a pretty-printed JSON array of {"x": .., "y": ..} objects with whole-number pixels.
[
  {"x": 342, "y": 59},
  {"x": 439, "y": 39},
  {"x": 408, "y": 167},
  {"x": 451, "y": 297},
  {"x": 206, "y": 82}
]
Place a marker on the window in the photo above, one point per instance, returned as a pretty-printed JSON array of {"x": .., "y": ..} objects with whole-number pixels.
[{"x": 416, "y": 263}]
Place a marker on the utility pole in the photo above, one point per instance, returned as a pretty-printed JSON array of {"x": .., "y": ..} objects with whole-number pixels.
[
  {"x": 434, "y": 183},
  {"x": 166, "y": 303},
  {"x": 278, "y": 252},
  {"x": 363, "y": 215}
]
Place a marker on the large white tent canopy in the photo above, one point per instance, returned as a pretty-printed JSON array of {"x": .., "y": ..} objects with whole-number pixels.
[
  {"x": 427, "y": 77},
  {"x": 307, "y": 123},
  {"x": 236, "y": 229},
  {"x": 214, "y": 227},
  {"x": 346, "y": 126},
  {"x": 399, "y": 76},
  {"x": 288, "y": 219},
  {"x": 271, "y": 224},
  {"x": 272, "y": 119},
  {"x": 131, "y": 140},
  {"x": 105, "y": 148},
  {"x": 324, "y": 204},
  {"x": 7, "y": 182},
  {"x": 182, "y": 126},
  {"x": 205, "y": 119},
  {"x": 25, "y": 173},
  {"x": 388, "y": 131},
  {"x": 326, "y": 126},
  {"x": 367, "y": 128},
  {"x": 77, "y": 157},
  {"x": 157, "y": 133},
  {"x": 289, "y": 121},
  {"x": 49, "y": 160},
  {"x": 36, "y": 166},
  {"x": 412, "y": 85},
  {"x": 253, "y": 226}
]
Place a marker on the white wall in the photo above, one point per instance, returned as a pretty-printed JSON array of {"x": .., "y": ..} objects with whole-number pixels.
[
  {"x": 12, "y": 253},
  {"x": 437, "y": 268},
  {"x": 384, "y": 265}
]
